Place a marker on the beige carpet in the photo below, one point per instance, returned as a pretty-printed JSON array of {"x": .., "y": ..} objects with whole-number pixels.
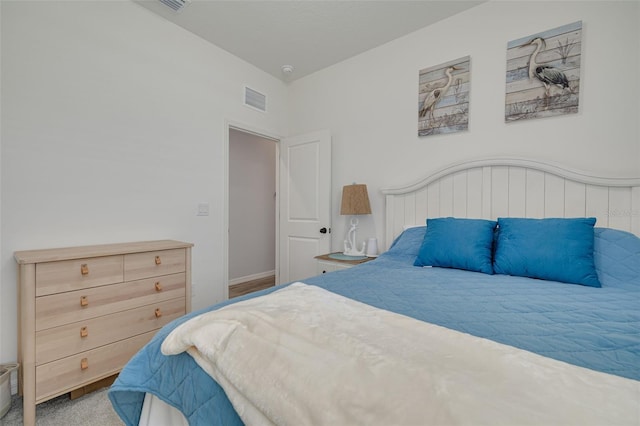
[{"x": 91, "y": 409}]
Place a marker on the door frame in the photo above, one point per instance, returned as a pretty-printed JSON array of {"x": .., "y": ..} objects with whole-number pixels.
[{"x": 266, "y": 134}]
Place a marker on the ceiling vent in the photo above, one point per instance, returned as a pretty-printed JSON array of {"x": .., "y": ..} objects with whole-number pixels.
[
  {"x": 176, "y": 5},
  {"x": 255, "y": 99}
]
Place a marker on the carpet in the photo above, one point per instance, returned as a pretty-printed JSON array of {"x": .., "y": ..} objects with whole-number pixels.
[{"x": 91, "y": 409}]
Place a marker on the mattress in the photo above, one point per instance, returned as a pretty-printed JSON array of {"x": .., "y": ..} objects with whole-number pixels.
[{"x": 596, "y": 328}]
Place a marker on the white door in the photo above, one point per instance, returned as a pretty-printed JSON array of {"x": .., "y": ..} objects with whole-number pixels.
[{"x": 305, "y": 204}]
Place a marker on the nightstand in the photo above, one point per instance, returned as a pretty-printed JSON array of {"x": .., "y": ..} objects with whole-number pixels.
[{"x": 335, "y": 261}]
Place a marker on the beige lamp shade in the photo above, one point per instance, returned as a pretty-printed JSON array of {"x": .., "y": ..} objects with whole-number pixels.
[{"x": 355, "y": 200}]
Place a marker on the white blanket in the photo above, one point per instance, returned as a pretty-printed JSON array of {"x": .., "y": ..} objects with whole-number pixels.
[{"x": 306, "y": 356}]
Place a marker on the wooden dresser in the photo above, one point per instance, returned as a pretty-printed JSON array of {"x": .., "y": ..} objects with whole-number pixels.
[{"x": 85, "y": 311}]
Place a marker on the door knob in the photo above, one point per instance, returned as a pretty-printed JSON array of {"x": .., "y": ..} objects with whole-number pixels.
[{"x": 323, "y": 230}]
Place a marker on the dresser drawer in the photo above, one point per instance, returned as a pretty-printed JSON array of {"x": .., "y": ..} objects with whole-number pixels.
[
  {"x": 154, "y": 263},
  {"x": 60, "y": 309},
  {"x": 60, "y": 342},
  {"x": 64, "y": 375},
  {"x": 68, "y": 275}
]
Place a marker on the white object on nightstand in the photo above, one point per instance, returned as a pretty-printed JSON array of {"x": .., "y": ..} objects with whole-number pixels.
[{"x": 372, "y": 247}]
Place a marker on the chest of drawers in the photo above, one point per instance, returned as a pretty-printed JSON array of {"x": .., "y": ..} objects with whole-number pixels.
[{"x": 85, "y": 311}]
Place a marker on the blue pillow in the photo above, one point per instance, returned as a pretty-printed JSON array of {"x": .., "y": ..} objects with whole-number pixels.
[
  {"x": 616, "y": 255},
  {"x": 458, "y": 243},
  {"x": 553, "y": 249},
  {"x": 408, "y": 242}
]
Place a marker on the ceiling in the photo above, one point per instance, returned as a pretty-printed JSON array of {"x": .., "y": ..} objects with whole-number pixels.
[{"x": 307, "y": 34}]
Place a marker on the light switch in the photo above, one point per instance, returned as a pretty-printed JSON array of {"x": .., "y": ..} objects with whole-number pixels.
[{"x": 203, "y": 209}]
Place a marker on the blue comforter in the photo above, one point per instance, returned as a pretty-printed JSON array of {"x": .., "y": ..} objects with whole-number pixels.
[{"x": 597, "y": 328}]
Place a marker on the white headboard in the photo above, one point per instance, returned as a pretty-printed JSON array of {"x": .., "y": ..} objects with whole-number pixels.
[{"x": 489, "y": 188}]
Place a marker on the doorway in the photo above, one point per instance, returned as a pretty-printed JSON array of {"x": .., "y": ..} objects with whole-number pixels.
[{"x": 252, "y": 183}]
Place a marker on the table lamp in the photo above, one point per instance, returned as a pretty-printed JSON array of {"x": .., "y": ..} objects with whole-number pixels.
[{"x": 355, "y": 201}]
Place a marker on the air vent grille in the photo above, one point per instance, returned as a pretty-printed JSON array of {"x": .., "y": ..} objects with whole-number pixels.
[
  {"x": 176, "y": 5},
  {"x": 255, "y": 99}
]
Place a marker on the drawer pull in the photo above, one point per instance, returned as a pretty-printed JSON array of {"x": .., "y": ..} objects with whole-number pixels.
[
  {"x": 84, "y": 301},
  {"x": 84, "y": 332},
  {"x": 158, "y": 286},
  {"x": 158, "y": 261},
  {"x": 84, "y": 269},
  {"x": 84, "y": 363},
  {"x": 158, "y": 313}
]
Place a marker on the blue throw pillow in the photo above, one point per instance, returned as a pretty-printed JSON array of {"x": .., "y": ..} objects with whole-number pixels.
[
  {"x": 408, "y": 243},
  {"x": 458, "y": 243},
  {"x": 616, "y": 255},
  {"x": 553, "y": 249}
]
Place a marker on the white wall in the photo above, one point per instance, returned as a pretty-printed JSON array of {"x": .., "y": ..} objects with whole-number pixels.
[
  {"x": 252, "y": 205},
  {"x": 370, "y": 101},
  {"x": 113, "y": 129}
]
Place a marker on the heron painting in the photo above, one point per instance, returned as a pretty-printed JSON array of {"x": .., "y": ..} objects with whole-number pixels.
[
  {"x": 443, "y": 98},
  {"x": 543, "y": 73}
]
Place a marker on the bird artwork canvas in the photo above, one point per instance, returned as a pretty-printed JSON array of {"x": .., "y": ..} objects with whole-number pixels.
[
  {"x": 443, "y": 98},
  {"x": 543, "y": 74}
]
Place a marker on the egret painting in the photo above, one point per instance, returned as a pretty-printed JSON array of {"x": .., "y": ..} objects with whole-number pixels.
[
  {"x": 543, "y": 73},
  {"x": 443, "y": 98}
]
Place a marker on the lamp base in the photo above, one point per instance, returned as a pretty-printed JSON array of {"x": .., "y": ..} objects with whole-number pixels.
[
  {"x": 350, "y": 248},
  {"x": 354, "y": 253}
]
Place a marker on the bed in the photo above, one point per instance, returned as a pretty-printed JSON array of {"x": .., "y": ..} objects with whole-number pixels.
[{"x": 543, "y": 349}]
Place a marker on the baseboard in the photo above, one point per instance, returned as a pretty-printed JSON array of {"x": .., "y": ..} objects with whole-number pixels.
[{"x": 251, "y": 277}]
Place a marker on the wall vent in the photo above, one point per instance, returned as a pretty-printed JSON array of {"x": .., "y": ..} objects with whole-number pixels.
[
  {"x": 176, "y": 5},
  {"x": 254, "y": 99}
]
